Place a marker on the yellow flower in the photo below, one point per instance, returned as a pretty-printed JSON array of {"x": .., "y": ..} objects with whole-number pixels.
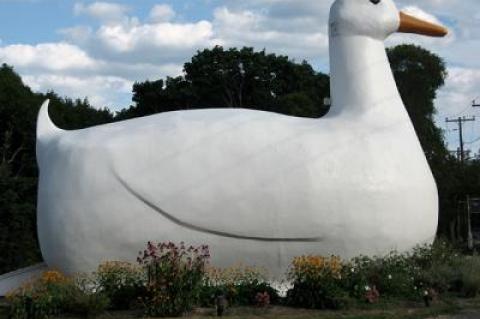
[
  {"x": 53, "y": 276},
  {"x": 316, "y": 267}
]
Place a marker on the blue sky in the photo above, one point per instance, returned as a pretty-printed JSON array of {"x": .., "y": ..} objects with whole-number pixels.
[
  {"x": 37, "y": 21},
  {"x": 97, "y": 49}
]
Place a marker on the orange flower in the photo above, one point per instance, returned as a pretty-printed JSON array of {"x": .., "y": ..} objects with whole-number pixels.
[
  {"x": 316, "y": 267},
  {"x": 53, "y": 276}
]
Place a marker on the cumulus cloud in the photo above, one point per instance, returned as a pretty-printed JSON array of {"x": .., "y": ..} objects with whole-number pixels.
[
  {"x": 248, "y": 28},
  {"x": 161, "y": 13},
  {"x": 419, "y": 13},
  {"x": 156, "y": 41},
  {"x": 48, "y": 56},
  {"x": 100, "y": 90},
  {"x": 461, "y": 87},
  {"x": 125, "y": 39},
  {"x": 108, "y": 12}
]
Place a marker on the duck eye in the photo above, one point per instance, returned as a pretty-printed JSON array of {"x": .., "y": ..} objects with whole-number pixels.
[{"x": 375, "y": 1}]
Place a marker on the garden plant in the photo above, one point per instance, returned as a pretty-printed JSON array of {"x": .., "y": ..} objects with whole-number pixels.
[{"x": 171, "y": 280}]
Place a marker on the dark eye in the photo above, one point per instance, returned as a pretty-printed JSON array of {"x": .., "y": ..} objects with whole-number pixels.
[{"x": 375, "y": 1}]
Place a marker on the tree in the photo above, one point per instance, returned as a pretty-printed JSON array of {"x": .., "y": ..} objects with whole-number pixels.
[{"x": 235, "y": 78}]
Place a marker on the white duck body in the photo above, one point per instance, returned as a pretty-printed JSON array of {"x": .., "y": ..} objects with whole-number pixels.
[{"x": 259, "y": 188}]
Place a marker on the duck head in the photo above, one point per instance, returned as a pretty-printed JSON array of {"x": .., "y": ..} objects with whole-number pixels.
[{"x": 377, "y": 19}]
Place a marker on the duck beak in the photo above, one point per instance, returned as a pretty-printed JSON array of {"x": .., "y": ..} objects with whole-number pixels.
[{"x": 410, "y": 24}]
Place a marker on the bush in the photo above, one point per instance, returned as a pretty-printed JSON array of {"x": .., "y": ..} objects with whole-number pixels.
[
  {"x": 321, "y": 282},
  {"x": 53, "y": 293},
  {"x": 86, "y": 297},
  {"x": 87, "y": 303},
  {"x": 240, "y": 284},
  {"x": 442, "y": 277},
  {"x": 394, "y": 276},
  {"x": 317, "y": 283},
  {"x": 174, "y": 277},
  {"x": 122, "y": 282},
  {"x": 42, "y": 298},
  {"x": 441, "y": 252},
  {"x": 438, "y": 267},
  {"x": 470, "y": 276}
]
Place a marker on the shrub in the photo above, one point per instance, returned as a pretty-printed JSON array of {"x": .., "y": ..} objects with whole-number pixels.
[
  {"x": 442, "y": 277},
  {"x": 122, "y": 282},
  {"x": 321, "y": 282},
  {"x": 317, "y": 283},
  {"x": 86, "y": 297},
  {"x": 470, "y": 276},
  {"x": 393, "y": 276},
  {"x": 239, "y": 284},
  {"x": 440, "y": 253},
  {"x": 54, "y": 293},
  {"x": 41, "y": 298},
  {"x": 174, "y": 277},
  {"x": 438, "y": 267},
  {"x": 89, "y": 304}
]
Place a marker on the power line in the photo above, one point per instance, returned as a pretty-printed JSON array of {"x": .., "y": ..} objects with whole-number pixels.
[
  {"x": 474, "y": 141},
  {"x": 474, "y": 104},
  {"x": 461, "y": 112},
  {"x": 460, "y": 121}
]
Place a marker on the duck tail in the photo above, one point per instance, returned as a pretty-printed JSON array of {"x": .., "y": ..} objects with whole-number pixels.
[
  {"x": 45, "y": 127},
  {"x": 46, "y": 132}
]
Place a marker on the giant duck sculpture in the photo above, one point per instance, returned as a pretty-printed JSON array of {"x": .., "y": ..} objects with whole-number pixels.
[{"x": 257, "y": 187}]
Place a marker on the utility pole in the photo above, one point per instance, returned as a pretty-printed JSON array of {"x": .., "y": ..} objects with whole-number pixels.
[
  {"x": 460, "y": 122},
  {"x": 469, "y": 224}
]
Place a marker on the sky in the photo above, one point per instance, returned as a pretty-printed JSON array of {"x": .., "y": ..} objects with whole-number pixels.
[{"x": 98, "y": 49}]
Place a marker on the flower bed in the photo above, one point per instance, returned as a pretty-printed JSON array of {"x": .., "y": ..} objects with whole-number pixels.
[{"x": 170, "y": 280}]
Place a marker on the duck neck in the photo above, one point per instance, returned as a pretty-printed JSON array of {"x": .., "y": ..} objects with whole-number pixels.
[{"x": 360, "y": 75}]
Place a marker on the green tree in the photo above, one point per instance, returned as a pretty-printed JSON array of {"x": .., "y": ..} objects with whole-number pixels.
[{"x": 235, "y": 78}]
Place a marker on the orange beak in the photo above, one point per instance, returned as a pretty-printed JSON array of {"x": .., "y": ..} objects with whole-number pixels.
[{"x": 410, "y": 24}]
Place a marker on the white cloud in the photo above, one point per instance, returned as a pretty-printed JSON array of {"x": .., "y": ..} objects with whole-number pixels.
[
  {"x": 48, "y": 56},
  {"x": 107, "y": 12},
  {"x": 248, "y": 28},
  {"x": 121, "y": 39},
  {"x": 161, "y": 13},
  {"x": 71, "y": 72},
  {"x": 419, "y": 13},
  {"x": 100, "y": 90},
  {"x": 461, "y": 87},
  {"x": 78, "y": 34}
]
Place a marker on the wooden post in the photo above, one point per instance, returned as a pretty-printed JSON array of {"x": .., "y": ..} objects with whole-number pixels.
[{"x": 469, "y": 223}]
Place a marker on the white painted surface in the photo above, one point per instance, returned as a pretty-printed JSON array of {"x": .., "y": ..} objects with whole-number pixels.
[
  {"x": 14, "y": 279},
  {"x": 257, "y": 187}
]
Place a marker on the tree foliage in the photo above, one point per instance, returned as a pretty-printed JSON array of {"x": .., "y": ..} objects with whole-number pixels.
[{"x": 235, "y": 78}]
